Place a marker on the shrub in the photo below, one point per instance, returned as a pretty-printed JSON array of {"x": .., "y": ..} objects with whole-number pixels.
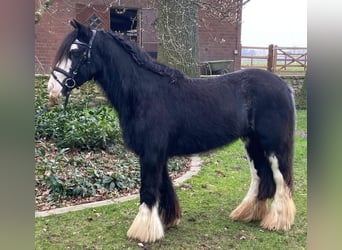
[
  {"x": 301, "y": 98},
  {"x": 84, "y": 125},
  {"x": 91, "y": 128}
]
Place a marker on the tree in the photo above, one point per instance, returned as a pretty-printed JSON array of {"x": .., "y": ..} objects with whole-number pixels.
[
  {"x": 43, "y": 6},
  {"x": 178, "y": 35}
]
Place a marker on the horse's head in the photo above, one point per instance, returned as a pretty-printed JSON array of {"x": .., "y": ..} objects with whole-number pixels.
[{"x": 74, "y": 64}]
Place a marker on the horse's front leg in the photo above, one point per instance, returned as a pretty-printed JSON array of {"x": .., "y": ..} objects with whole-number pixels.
[
  {"x": 147, "y": 225},
  {"x": 169, "y": 208}
]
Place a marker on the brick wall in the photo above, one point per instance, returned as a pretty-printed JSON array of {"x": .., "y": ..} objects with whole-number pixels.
[
  {"x": 54, "y": 25},
  {"x": 83, "y": 13},
  {"x": 217, "y": 39},
  {"x": 49, "y": 33}
]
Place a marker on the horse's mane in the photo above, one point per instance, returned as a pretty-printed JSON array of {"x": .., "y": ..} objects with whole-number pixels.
[
  {"x": 64, "y": 48},
  {"x": 144, "y": 60},
  {"x": 139, "y": 56}
]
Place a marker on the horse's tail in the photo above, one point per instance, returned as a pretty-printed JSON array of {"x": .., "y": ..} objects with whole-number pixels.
[{"x": 286, "y": 158}]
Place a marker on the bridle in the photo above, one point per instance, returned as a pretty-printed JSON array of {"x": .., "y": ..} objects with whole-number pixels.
[{"x": 69, "y": 82}]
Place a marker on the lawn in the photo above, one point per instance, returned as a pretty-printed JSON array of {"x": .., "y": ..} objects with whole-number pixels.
[{"x": 206, "y": 199}]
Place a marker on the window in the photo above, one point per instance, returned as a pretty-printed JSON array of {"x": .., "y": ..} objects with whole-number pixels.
[
  {"x": 94, "y": 21},
  {"x": 124, "y": 22}
]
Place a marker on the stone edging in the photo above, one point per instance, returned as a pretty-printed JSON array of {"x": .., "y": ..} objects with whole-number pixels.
[{"x": 194, "y": 169}]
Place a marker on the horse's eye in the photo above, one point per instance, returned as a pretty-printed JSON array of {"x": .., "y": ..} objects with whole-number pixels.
[{"x": 74, "y": 54}]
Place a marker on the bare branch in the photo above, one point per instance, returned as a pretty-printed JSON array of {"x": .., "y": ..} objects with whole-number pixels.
[
  {"x": 228, "y": 10},
  {"x": 245, "y": 2},
  {"x": 43, "y": 6}
]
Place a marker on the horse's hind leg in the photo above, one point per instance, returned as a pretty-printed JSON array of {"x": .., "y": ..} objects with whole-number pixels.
[
  {"x": 282, "y": 212},
  {"x": 270, "y": 179},
  {"x": 252, "y": 207},
  {"x": 277, "y": 144}
]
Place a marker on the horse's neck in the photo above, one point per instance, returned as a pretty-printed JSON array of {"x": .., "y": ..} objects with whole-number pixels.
[{"x": 118, "y": 80}]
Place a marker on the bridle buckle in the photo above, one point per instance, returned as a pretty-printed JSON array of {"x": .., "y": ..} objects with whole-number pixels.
[{"x": 70, "y": 83}]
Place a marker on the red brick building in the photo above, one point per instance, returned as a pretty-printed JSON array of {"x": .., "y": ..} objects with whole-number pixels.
[{"x": 218, "y": 40}]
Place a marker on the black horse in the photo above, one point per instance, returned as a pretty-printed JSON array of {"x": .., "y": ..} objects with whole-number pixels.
[{"x": 163, "y": 113}]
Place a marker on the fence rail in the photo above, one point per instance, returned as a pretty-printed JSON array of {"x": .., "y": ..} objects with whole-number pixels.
[{"x": 280, "y": 60}]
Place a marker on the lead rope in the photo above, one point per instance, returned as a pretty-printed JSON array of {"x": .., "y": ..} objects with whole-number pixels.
[
  {"x": 43, "y": 111},
  {"x": 67, "y": 94}
]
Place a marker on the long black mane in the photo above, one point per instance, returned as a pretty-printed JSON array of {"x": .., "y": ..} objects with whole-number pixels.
[
  {"x": 139, "y": 56},
  {"x": 64, "y": 49},
  {"x": 143, "y": 59}
]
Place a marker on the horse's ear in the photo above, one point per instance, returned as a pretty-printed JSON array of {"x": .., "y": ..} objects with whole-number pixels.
[
  {"x": 84, "y": 32},
  {"x": 75, "y": 24}
]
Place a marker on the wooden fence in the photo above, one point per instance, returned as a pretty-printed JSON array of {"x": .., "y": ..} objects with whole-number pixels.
[{"x": 280, "y": 60}]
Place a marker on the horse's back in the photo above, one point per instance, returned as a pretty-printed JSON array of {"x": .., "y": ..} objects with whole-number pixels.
[{"x": 264, "y": 89}]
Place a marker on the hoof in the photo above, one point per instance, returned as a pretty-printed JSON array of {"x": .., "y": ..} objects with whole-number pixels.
[
  {"x": 281, "y": 215},
  {"x": 146, "y": 226},
  {"x": 250, "y": 210}
]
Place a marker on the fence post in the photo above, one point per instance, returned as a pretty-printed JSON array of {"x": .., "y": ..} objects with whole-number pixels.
[
  {"x": 270, "y": 66},
  {"x": 275, "y": 58}
]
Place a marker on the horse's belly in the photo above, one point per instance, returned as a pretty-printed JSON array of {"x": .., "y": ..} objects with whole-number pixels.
[{"x": 187, "y": 145}]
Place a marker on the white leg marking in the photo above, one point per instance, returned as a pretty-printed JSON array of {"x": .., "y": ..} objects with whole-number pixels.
[
  {"x": 282, "y": 212},
  {"x": 251, "y": 208},
  {"x": 147, "y": 226},
  {"x": 255, "y": 180}
]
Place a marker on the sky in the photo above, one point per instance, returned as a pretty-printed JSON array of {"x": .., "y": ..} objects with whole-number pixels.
[{"x": 278, "y": 22}]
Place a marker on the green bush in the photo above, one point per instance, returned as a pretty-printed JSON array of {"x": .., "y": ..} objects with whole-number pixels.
[
  {"x": 84, "y": 125},
  {"x": 91, "y": 128},
  {"x": 301, "y": 98}
]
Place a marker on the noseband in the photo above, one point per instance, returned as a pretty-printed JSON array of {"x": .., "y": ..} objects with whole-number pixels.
[{"x": 69, "y": 82}]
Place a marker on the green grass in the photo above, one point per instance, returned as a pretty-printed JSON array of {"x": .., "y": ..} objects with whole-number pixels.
[{"x": 213, "y": 194}]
